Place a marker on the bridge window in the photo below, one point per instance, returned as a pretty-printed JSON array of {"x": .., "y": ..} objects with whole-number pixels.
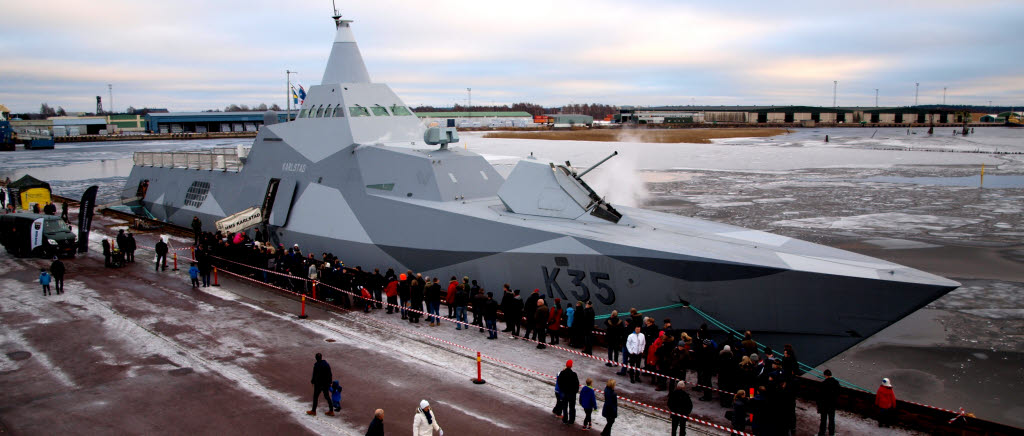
[
  {"x": 320, "y": 111},
  {"x": 358, "y": 111},
  {"x": 327, "y": 112},
  {"x": 400, "y": 111},
  {"x": 304, "y": 113},
  {"x": 339, "y": 111},
  {"x": 380, "y": 111}
]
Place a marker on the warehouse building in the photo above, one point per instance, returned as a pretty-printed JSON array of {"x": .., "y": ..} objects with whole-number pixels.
[
  {"x": 476, "y": 119},
  {"x": 203, "y": 122},
  {"x": 805, "y": 115}
]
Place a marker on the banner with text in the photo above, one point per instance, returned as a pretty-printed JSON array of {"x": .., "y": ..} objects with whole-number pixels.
[{"x": 240, "y": 221}]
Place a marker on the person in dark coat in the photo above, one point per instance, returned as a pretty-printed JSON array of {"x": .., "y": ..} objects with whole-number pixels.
[
  {"x": 461, "y": 301},
  {"x": 404, "y": 292},
  {"x": 416, "y": 299},
  {"x": 514, "y": 316},
  {"x": 727, "y": 368},
  {"x": 130, "y": 247},
  {"x": 106, "y": 253},
  {"x": 611, "y": 407},
  {"x": 57, "y": 270},
  {"x": 679, "y": 403},
  {"x": 478, "y": 299},
  {"x": 568, "y": 385},
  {"x": 321, "y": 380},
  {"x": 161, "y": 254},
  {"x": 64, "y": 211},
  {"x": 491, "y": 316},
  {"x": 828, "y": 397},
  {"x": 614, "y": 333},
  {"x": 197, "y": 228},
  {"x": 377, "y": 425},
  {"x": 506, "y": 302},
  {"x": 705, "y": 367},
  {"x": 529, "y": 309},
  {"x": 586, "y": 327},
  {"x": 432, "y": 295},
  {"x": 540, "y": 323},
  {"x": 122, "y": 240},
  {"x": 739, "y": 411}
]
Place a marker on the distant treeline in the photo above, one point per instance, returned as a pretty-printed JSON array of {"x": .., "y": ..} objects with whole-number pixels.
[{"x": 598, "y": 111}]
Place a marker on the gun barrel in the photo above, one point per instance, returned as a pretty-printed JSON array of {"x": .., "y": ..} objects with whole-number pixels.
[{"x": 614, "y": 153}]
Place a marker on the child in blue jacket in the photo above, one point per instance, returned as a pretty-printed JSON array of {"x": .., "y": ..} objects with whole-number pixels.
[
  {"x": 44, "y": 279},
  {"x": 193, "y": 272},
  {"x": 336, "y": 395},
  {"x": 588, "y": 401}
]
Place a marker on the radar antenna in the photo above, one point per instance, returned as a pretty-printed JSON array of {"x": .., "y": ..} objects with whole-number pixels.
[{"x": 337, "y": 14}]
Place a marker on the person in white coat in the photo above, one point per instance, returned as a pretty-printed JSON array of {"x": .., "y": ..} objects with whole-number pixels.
[
  {"x": 635, "y": 344},
  {"x": 425, "y": 423}
]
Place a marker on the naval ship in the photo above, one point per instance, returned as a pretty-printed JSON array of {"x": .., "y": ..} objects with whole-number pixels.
[{"x": 357, "y": 174}]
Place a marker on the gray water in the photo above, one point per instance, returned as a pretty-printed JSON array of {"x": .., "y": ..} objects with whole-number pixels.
[{"x": 992, "y": 181}]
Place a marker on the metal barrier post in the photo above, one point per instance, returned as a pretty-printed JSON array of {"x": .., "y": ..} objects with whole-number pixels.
[
  {"x": 479, "y": 379},
  {"x": 215, "y": 282}
]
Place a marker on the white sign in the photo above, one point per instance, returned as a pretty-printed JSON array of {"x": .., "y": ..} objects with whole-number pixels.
[
  {"x": 240, "y": 221},
  {"x": 37, "y": 232}
]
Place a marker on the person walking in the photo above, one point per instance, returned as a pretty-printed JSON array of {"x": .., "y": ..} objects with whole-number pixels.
[
  {"x": 321, "y": 381},
  {"x": 161, "y": 254},
  {"x": 377, "y": 425},
  {"x": 193, "y": 273},
  {"x": 680, "y": 404},
  {"x": 588, "y": 401},
  {"x": 828, "y": 397},
  {"x": 491, "y": 316},
  {"x": 885, "y": 399},
  {"x": 568, "y": 385},
  {"x": 197, "y": 228},
  {"x": 611, "y": 407},
  {"x": 64, "y": 211},
  {"x": 425, "y": 422},
  {"x": 635, "y": 344},
  {"x": 57, "y": 270},
  {"x": 44, "y": 279},
  {"x": 540, "y": 327}
]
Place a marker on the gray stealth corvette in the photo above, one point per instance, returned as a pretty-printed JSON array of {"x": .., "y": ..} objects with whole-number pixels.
[{"x": 358, "y": 175}]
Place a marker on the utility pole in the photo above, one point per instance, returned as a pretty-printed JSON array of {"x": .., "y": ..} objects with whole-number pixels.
[
  {"x": 110, "y": 103},
  {"x": 990, "y": 105},
  {"x": 943, "y": 95},
  {"x": 835, "y": 86},
  {"x": 876, "y": 97},
  {"x": 469, "y": 93},
  {"x": 288, "y": 93},
  {"x": 916, "y": 86}
]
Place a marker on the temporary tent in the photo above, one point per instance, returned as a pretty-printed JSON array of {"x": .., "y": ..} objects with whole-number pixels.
[{"x": 28, "y": 190}]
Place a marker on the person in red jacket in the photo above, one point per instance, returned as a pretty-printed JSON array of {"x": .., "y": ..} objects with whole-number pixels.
[
  {"x": 449, "y": 298},
  {"x": 885, "y": 399},
  {"x": 391, "y": 291},
  {"x": 555, "y": 321}
]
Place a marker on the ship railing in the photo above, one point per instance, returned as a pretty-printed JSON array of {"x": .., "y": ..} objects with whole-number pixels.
[{"x": 217, "y": 159}]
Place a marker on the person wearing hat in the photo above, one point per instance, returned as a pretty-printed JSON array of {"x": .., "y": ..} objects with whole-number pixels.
[
  {"x": 568, "y": 385},
  {"x": 885, "y": 399},
  {"x": 425, "y": 422}
]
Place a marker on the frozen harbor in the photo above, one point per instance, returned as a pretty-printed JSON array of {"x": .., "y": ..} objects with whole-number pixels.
[{"x": 862, "y": 191}]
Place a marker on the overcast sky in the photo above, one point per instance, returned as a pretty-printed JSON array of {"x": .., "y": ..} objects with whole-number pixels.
[{"x": 193, "y": 55}]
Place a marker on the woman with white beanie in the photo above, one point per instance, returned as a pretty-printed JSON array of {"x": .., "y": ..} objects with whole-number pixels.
[{"x": 425, "y": 423}]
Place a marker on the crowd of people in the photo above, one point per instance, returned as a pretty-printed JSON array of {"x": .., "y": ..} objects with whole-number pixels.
[{"x": 754, "y": 385}]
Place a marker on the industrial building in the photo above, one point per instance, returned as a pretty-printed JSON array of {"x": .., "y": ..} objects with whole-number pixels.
[
  {"x": 476, "y": 119},
  {"x": 203, "y": 122},
  {"x": 806, "y": 115}
]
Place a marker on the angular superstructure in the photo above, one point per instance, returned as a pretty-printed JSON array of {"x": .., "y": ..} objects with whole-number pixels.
[{"x": 352, "y": 175}]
